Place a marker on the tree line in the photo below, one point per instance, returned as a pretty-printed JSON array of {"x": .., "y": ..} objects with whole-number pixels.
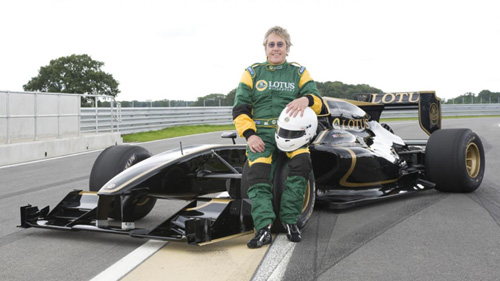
[
  {"x": 485, "y": 96},
  {"x": 327, "y": 89},
  {"x": 81, "y": 74}
]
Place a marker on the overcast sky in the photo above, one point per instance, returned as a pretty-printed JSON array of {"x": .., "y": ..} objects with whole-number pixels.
[{"x": 187, "y": 49}]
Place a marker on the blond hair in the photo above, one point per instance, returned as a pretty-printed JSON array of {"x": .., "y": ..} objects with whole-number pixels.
[{"x": 280, "y": 31}]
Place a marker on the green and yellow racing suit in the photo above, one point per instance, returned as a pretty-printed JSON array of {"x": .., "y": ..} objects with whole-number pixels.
[{"x": 263, "y": 92}]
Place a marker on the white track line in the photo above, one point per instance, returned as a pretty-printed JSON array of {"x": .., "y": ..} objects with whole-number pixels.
[
  {"x": 50, "y": 159},
  {"x": 274, "y": 264},
  {"x": 130, "y": 261}
]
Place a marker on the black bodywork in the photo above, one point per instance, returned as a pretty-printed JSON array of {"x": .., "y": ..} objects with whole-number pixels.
[{"x": 355, "y": 160}]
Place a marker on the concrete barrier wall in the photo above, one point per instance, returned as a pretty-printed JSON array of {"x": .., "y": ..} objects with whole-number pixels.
[
  {"x": 35, "y": 126},
  {"x": 30, "y": 116},
  {"x": 58, "y": 115},
  {"x": 37, "y": 150}
]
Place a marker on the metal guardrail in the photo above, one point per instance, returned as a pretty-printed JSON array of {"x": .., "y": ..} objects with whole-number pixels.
[
  {"x": 97, "y": 119},
  {"x": 30, "y": 115},
  {"x": 143, "y": 119},
  {"x": 135, "y": 120},
  {"x": 448, "y": 110}
]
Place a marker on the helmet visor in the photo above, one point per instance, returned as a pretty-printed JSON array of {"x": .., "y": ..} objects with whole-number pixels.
[{"x": 288, "y": 134}]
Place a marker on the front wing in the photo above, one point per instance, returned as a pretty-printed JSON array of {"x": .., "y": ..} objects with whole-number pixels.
[{"x": 201, "y": 221}]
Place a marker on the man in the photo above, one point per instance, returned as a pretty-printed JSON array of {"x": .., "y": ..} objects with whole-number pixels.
[{"x": 264, "y": 91}]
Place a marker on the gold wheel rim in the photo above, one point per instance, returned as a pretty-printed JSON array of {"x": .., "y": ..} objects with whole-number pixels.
[
  {"x": 143, "y": 201},
  {"x": 307, "y": 197},
  {"x": 472, "y": 160}
]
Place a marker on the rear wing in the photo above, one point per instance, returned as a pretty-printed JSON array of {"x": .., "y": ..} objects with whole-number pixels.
[{"x": 426, "y": 102}]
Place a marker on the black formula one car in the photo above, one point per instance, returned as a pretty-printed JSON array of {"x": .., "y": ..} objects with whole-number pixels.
[{"x": 355, "y": 160}]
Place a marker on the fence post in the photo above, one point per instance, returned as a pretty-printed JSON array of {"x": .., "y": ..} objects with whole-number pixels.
[
  {"x": 96, "y": 116},
  {"x": 8, "y": 117},
  {"x": 119, "y": 116},
  {"x": 79, "y": 108},
  {"x": 58, "y": 116},
  {"x": 111, "y": 106},
  {"x": 35, "y": 115}
]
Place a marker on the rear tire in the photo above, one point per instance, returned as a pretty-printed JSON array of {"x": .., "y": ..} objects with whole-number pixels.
[
  {"x": 454, "y": 160},
  {"x": 244, "y": 186},
  {"x": 280, "y": 175},
  {"x": 112, "y": 161}
]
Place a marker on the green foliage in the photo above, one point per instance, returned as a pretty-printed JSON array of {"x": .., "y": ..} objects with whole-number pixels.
[
  {"x": 327, "y": 89},
  {"x": 345, "y": 91},
  {"x": 158, "y": 103},
  {"x": 485, "y": 96},
  {"x": 216, "y": 99},
  {"x": 210, "y": 100},
  {"x": 74, "y": 74},
  {"x": 229, "y": 101}
]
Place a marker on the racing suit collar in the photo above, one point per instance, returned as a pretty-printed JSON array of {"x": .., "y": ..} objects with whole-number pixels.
[{"x": 274, "y": 67}]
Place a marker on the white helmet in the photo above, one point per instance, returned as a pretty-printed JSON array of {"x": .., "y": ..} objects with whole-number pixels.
[{"x": 294, "y": 132}]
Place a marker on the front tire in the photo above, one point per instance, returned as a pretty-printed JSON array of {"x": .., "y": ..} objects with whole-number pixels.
[
  {"x": 112, "y": 161},
  {"x": 454, "y": 160}
]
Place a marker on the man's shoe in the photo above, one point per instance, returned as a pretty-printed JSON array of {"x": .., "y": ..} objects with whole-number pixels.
[
  {"x": 292, "y": 232},
  {"x": 262, "y": 237}
]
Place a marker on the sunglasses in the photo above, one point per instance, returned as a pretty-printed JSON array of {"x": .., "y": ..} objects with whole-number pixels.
[{"x": 279, "y": 44}]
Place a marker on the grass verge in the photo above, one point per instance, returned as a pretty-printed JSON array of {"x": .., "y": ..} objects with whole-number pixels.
[{"x": 173, "y": 132}]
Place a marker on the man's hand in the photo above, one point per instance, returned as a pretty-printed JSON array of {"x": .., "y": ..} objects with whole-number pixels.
[
  {"x": 297, "y": 106},
  {"x": 256, "y": 144}
]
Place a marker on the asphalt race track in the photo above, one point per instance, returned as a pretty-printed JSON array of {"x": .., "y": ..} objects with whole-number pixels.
[{"x": 427, "y": 236}]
